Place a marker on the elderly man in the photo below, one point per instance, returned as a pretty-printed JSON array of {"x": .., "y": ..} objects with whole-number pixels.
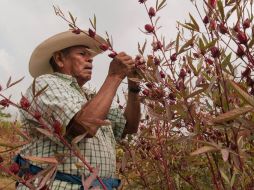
[{"x": 63, "y": 63}]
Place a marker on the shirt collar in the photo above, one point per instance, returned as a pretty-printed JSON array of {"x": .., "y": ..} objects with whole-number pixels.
[{"x": 68, "y": 78}]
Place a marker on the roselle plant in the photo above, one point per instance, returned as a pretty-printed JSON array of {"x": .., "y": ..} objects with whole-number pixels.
[
  {"x": 55, "y": 131},
  {"x": 197, "y": 131}
]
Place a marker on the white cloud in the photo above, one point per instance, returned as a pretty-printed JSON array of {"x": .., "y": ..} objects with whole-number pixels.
[{"x": 6, "y": 63}]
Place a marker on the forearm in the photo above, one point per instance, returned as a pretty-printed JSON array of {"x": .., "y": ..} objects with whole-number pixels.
[
  {"x": 132, "y": 111},
  {"x": 95, "y": 110}
]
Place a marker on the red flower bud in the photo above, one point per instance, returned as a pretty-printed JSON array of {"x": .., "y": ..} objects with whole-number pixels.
[
  {"x": 24, "y": 103},
  {"x": 213, "y": 25},
  {"x": 240, "y": 51},
  {"x": 173, "y": 57},
  {"x": 215, "y": 52},
  {"x": 206, "y": 20},
  {"x": 91, "y": 33},
  {"x": 156, "y": 61},
  {"x": 142, "y": 1},
  {"x": 151, "y": 12},
  {"x": 246, "y": 72},
  {"x": 5, "y": 102},
  {"x": 223, "y": 29},
  {"x": 246, "y": 23},
  {"x": 182, "y": 73},
  {"x": 14, "y": 168},
  {"x": 37, "y": 115},
  {"x": 237, "y": 27},
  {"x": 1, "y": 159},
  {"x": 112, "y": 55},
  {"x": 209, "y": 61},
  {"x": 212, "y": 3},
  {"x": 104, "y": 47},
  {"x": 146, "y": 92},
  {"x": 242, "y": 38},
  {"x": 156, "y": 45},
  {"x": 76, "y": 31},
  {"x": 57, "y": 127},
  {"x": 149, "y": 28},
  {"x": 149, "y": 85},
  {"x": 162, "y": 74}
]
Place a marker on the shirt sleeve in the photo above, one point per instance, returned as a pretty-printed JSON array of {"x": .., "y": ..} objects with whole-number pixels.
[{"x": 118, "y": 121}]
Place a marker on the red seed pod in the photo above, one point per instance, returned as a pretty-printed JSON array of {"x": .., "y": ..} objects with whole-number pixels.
[
  {"x": 206, "y": 20},
  {"x": 142, "y": 1},
  {"x": 209, "y": 61},
  {"x": 76, "y": 31},
  {"x": 162, "y": 74},
  {"x": 5, "y": 102},
  {"x": 112, "y": 55},
  {"x": 37, "y": 115},
  {"x": 149, "y": 85},
  {"x": 57, "y": 127},
  {"x": 149, "y": 28},
  {"x": 223, "y": 29},
  {"x": 242, "y": 37},
  {"x": 215, "y": 52},
  {"x": 151, "y": 12},
  {"x": 156, "y": 61},
  {"x": 173, "y": 57},
  {"x": 104, "y": 47},
  {"x": 240, "y": 51},
  {"x": 24, "y": 103},
  {"x": 156, "y": 45},
  {"x": 1, "y": 159},
  {"x": 14, "y": 168},
  {"x": 213, "y": 25},
  {"x": 91, "y": 33},
  {"x": 212, "y": 3},
  {"x": 246, "y": 23},
  {"x": 246, "y": 72},
  {"x": 237, "y": 27},
  {"x": 172, "y": 96},
  {"x": 182, "y": 73},
  {"x": 146, "y": 92}
]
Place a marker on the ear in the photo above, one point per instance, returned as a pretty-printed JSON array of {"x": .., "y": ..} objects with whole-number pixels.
[{"x": 58, "y": 57}]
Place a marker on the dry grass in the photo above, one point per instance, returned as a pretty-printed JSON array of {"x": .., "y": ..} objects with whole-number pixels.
[{"x": 6, "y": 183}]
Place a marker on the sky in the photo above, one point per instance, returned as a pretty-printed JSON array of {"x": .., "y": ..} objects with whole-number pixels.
[{"x": 26, "y": 23}]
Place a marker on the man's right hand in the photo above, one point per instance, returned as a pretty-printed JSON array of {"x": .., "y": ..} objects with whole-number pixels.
[{"x": 121, "y": 66}]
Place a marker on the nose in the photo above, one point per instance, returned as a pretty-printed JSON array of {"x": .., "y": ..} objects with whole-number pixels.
[{"x": 90, "y": 60}]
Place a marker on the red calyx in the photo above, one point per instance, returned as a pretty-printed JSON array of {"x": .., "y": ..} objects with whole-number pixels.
[
  {"x": 242, "y": 37},
  {"x": 14, "y": 168},
  {"x": 149, "y": 28},
  {"x": 24, "y": 103},
  {"x": 76, "y": 31},
  {"x": 5, "y": 102},
  {"x": 112, "y": 55},
  {"x": 57, "y": 127},
  {"x": 240, "y": 50},
  {"x": 223, "y": 29},
  {"x": 91, "y": 33},
  {"x": 173, "y": 57},
  {"x": 151, "y": 12},
  {"x": 104, "y": 47},
  {"x": 246, "y": 23},
  {"x": 215, "y": 52},
  {"x": 206, "y": 20}
]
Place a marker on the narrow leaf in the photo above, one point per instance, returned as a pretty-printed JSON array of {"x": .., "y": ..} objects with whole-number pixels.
[{"x": 203, "y": 150}]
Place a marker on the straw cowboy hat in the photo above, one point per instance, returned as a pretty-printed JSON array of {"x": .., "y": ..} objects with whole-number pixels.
[{"x": 39, "y": 60}]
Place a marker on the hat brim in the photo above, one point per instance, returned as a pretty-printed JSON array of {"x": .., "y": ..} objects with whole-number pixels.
[{"x": 39, "y": 60}]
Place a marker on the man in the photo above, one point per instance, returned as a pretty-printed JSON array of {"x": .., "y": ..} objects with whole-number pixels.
[{"x": 63, "y": 64}]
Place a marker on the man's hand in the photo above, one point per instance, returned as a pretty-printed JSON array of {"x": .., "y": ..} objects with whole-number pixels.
[{"x": 121, "y": 66}]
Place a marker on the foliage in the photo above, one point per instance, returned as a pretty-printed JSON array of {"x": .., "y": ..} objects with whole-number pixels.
[{"x": 197, "y": 92}]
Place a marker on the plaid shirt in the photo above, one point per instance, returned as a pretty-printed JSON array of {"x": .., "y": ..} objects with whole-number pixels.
[{"x": 62, "y": 99}]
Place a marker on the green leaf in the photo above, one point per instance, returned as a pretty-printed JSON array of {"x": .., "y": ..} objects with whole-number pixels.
[
  {"x": 15, "y": 82},
  {"x": 221, "y": 9},
  {"x": 177, "y": 42},
  {"x": 187, "y": 44},
  {"x": 8, "y": 82},
  {"x": 226, "y": 61},
  {"x": 161, "y": 5},
  {"x": 203, "y": 150},
  {"x": 242, "y": 93},
  {"x": 232, "y": 114},
  {"x": 41, "y": 91},
  {"x": 194, "y": 22},
  {"x": 210, "y": 44},
  {"x": 72, "y": 18},
  {"x": 224, "y": 176}
]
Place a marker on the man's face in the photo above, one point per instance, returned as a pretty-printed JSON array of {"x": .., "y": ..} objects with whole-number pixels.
[{"x": 78, "y": 63}]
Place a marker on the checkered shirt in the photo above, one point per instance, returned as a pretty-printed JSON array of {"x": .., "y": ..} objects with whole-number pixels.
[{"x": 62, "y": 99}]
